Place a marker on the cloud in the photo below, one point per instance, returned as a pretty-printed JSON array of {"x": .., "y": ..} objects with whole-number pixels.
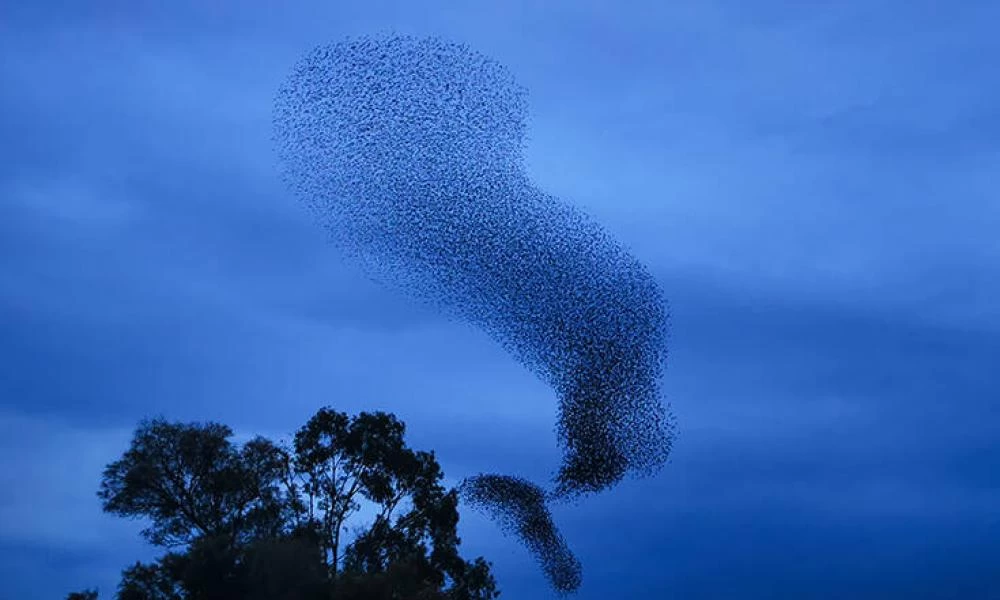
[
  {"x": 813, "y": 187},
  {"x": 48, "y": 494}
]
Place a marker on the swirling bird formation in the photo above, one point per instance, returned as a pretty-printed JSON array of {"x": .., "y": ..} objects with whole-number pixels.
[{"x": 409, "y": 152}]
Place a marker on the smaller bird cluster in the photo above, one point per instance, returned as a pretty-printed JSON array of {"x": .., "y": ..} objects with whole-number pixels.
[{"x": 518, "y": 506}]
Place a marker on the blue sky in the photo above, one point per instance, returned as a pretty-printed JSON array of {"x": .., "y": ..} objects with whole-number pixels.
[{"x": 812, "y": 183}]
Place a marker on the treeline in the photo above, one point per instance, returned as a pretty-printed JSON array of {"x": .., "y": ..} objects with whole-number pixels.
[{"x": 346, "y": 511}]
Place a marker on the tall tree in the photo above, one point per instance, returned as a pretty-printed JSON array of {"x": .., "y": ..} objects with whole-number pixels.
[
  {"x": 191, "y": 482},
  {"x": 260, "y": 520}
]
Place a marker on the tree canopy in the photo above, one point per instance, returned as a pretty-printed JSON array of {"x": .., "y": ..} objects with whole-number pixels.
[{"x": 347, "y": 511}]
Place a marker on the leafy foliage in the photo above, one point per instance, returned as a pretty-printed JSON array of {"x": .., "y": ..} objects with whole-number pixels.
[{"x": 262, "y": 520}]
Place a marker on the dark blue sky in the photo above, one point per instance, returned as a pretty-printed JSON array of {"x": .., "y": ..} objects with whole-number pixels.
[{"x": 813, "y": 184}]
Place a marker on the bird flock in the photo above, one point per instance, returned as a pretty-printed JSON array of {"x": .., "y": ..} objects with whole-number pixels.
[{"x": 409, "y": 151}]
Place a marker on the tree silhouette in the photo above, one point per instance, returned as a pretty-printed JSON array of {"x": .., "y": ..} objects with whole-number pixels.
[{"x": 264, "y": 520}]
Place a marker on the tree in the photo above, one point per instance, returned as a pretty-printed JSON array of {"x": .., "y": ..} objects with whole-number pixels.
[
  {"x": 261, "y": 520},
  {"x": 191, "y": 482}
]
